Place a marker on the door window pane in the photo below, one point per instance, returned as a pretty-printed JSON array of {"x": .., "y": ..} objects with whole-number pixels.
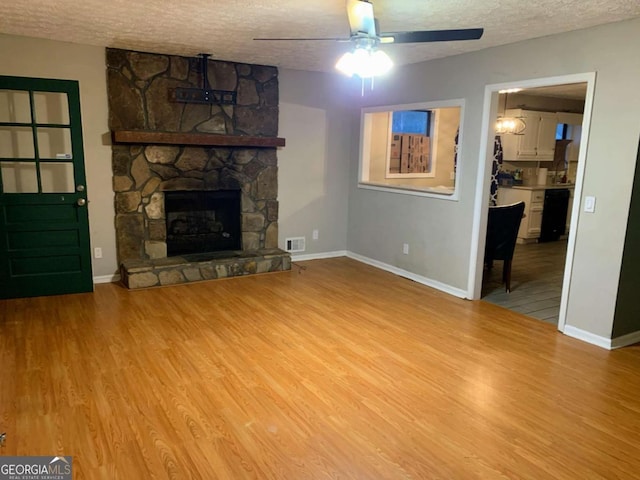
[
  {"x": 51, "y": 107},
  {"x": 54, "y": 143},
  {"x": 14, "y": 106},
  {"x": 57, "y": 177},
  {"x": 16, "y": 142},
  {"x": 19, "y": 177}
]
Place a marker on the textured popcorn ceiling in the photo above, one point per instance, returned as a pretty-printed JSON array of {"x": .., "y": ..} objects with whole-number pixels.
[{"x": 225, "y": 28}]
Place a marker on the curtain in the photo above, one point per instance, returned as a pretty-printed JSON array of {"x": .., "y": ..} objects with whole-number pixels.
[
  {"x": 455, "y": 151},
  {"x": 495, "y": 169}
]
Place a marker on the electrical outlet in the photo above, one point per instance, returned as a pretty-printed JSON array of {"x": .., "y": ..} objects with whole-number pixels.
[
  {"x": 452, "y": 176},
  {"x": 315, "y": 234},
  {"x": 97, "y": 252},
  {"x": 405, "y": 248}
]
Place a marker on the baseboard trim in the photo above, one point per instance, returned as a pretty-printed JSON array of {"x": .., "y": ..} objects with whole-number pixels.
[
  {"x": 443, "y": 287},
  {"x": 318, "y": 256},
  {"x": 603, "y": 342},
  {"x": 106, "y": 278},
  {"x": 588, "y": 337},
  {"x": 625, "y": 340}
]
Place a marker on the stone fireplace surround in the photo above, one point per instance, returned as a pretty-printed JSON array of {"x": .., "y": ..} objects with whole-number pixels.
[{"x": 139, "y": 89}]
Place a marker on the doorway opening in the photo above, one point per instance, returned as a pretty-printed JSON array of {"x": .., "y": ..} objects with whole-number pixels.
[{"x": 543, "y": 166}]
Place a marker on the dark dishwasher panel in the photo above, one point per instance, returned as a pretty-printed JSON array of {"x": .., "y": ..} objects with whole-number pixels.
[{"x": 554, "y": 214}]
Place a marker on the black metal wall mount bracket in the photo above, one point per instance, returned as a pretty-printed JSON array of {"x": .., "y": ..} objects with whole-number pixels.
[{"x": 203, "y": 95}]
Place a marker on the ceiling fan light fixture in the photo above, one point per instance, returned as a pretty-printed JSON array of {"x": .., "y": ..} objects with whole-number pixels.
[{"x": 364, "y": 62}]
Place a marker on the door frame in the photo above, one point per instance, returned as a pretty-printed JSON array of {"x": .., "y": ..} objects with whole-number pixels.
[
  {"x": 84, "y": 281},
  {"x": 481, "y": 204}
]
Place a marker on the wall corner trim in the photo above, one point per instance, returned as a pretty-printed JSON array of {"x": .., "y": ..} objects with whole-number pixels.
[
  {"x": 593, "y": 339},
  {"x": 603, "y": 342},
  {"x": 443, "y": 287}
]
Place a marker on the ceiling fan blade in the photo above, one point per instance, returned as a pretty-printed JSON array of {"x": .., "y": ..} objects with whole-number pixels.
[
  {"x": 329, "y": 39},
  {"x": 361, "y": 19},
  {"x": 432, "y": 36}
]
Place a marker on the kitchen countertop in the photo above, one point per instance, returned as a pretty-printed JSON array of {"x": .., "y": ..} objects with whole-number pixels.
[{"x": 554, "y": 186}]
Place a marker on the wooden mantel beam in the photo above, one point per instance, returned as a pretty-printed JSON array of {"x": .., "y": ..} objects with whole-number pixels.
[{"x": 202, "y": 139}]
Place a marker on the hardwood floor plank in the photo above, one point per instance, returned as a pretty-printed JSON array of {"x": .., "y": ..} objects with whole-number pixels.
[{"x": 339, "y": 371}]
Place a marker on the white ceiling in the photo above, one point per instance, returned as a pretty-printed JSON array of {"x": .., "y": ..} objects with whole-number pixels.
[{"x": 225, "y": 28}]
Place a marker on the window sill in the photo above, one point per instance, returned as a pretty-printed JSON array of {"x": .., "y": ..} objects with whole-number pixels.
[{"x": 442, "y": 193}]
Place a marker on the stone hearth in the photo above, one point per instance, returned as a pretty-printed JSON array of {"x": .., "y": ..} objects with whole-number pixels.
[
  {"x": 140, "y": 91},
  {"x": 193, "y": 268}
]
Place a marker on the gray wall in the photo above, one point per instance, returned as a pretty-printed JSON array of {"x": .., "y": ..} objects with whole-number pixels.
[
  {"x": 313, "y": 182},
  {"x": 31, "y": 57},
  {"x": 627, "y": 316},
  {"x": 439, "y": 232},
  {"x": 317, "y": 183},
  {"x": 313, "y": 167}
]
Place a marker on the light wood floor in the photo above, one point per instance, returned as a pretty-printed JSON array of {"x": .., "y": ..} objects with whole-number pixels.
[
  {"x": 340, "y": 371},
  {"x": 536, "y": 284}
]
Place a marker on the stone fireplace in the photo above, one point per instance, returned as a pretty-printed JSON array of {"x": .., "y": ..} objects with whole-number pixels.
[{"x": 149, "y": 178}]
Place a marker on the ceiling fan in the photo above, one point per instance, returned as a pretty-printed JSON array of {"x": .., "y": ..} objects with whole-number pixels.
[{"x": 366, "y": 60}]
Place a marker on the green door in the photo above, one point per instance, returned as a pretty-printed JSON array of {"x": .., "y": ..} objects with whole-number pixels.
[{"x": 44, "y": 226}]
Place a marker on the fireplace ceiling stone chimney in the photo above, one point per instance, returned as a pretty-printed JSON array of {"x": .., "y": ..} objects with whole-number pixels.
[{"x": 140, "y": 90}]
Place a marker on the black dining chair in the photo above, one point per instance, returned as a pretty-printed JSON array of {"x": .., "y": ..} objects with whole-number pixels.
[{"x": 502, "y": 231}]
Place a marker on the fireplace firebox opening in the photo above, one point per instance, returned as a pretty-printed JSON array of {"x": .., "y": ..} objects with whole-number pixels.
[{"x": 202, "y": 221}]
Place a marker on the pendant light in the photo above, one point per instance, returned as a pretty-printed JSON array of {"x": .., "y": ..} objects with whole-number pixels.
[{"x": 509, "y": 125}]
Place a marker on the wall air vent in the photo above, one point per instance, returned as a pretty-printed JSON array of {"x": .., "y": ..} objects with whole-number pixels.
[{"x": 295, "y": 244}]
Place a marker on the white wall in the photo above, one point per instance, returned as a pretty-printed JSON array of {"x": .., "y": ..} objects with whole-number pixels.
[
  {"x": 31, "y": 57},
  {"x": 439, "y": 232}
]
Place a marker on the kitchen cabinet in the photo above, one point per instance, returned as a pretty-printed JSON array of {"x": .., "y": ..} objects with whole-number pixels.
[
  {"x": 538, "y": 140},
  {"x": 574, "y": 133},
  {"x": 533, "y": 199}
]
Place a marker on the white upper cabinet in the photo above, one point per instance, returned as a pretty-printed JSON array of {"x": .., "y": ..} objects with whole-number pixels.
[
  {"x": 547, "y": 136},
  {"x": 574, "y": 133},
  {"x": 523, "y": 147},
  {"x": 538, "y": 140}
]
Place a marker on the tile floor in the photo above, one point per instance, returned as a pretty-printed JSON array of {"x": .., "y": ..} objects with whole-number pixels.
[{"x": 536, "y": 281}]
